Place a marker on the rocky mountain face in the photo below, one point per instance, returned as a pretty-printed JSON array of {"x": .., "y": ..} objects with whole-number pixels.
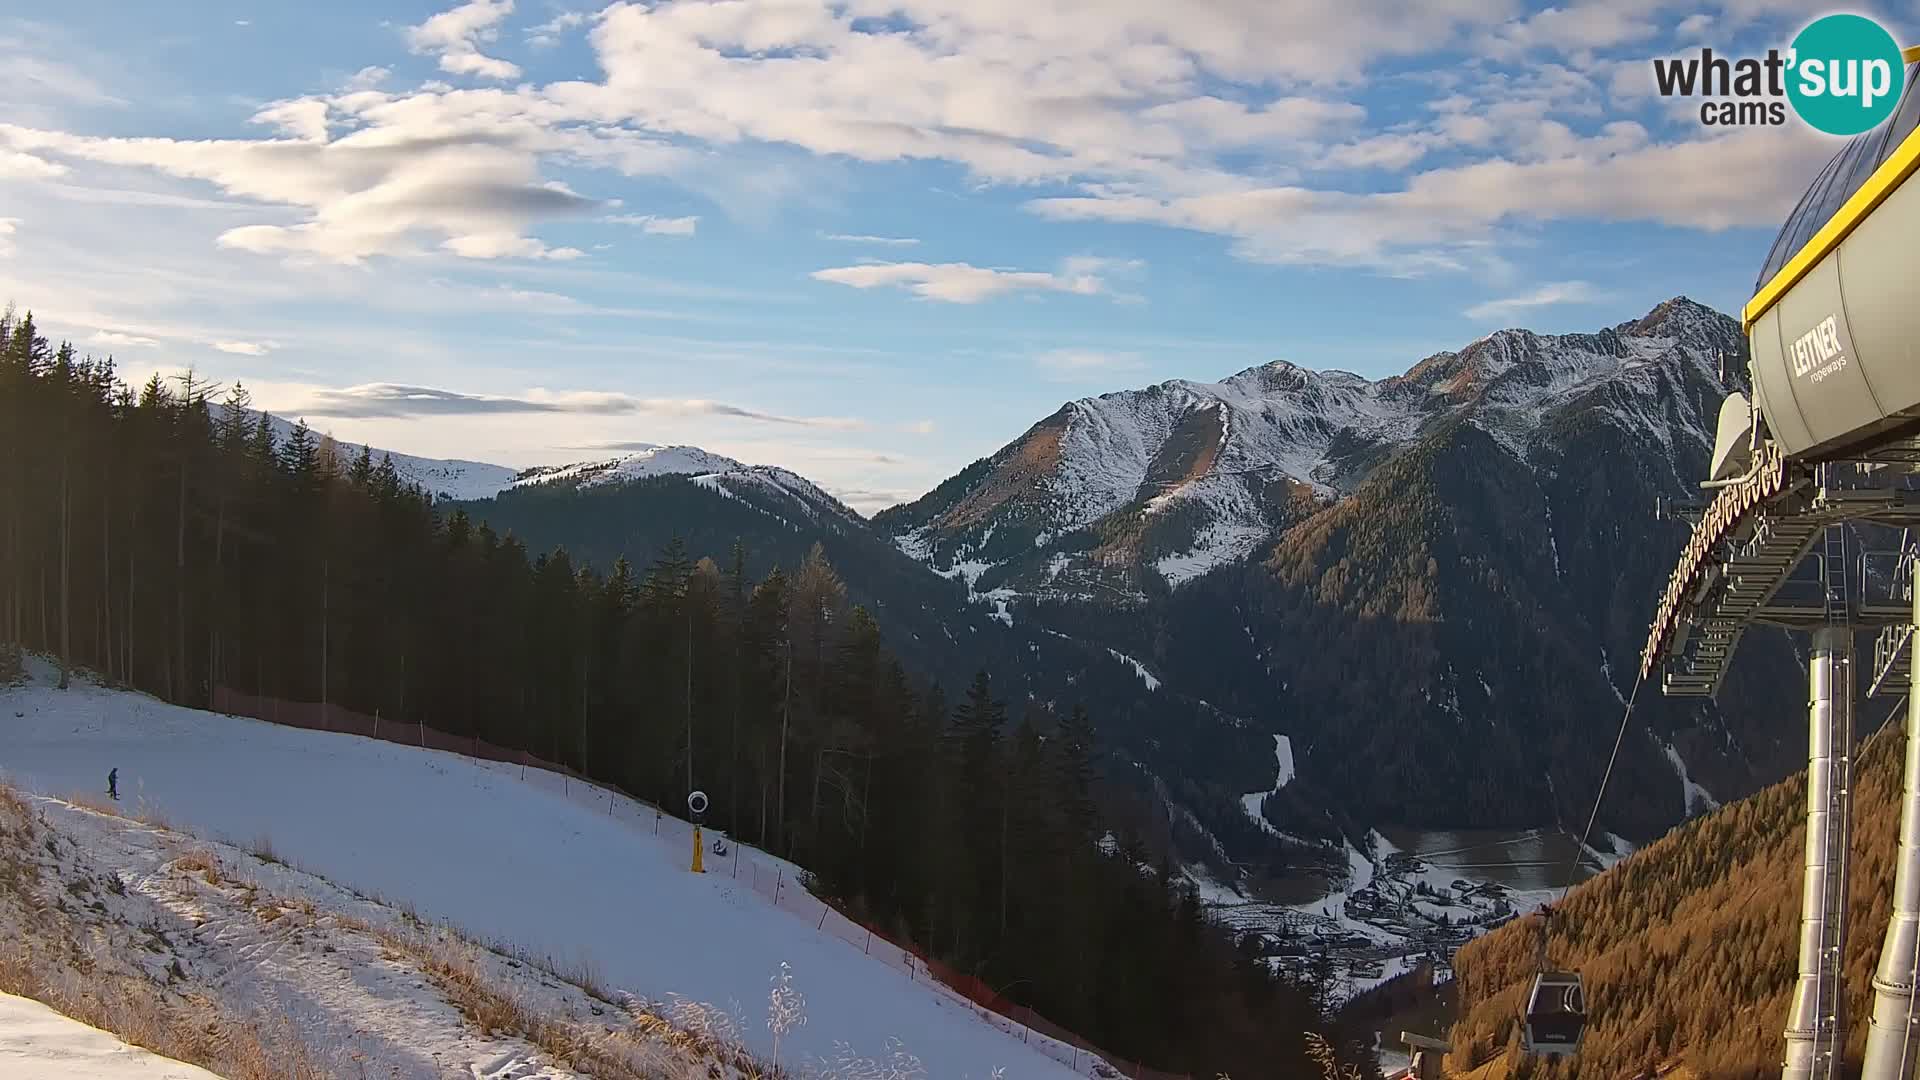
[{"x": 1434, "y": 584}]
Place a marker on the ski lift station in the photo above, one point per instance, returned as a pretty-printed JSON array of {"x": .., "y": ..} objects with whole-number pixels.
[{"x": 1812, "y": 523}]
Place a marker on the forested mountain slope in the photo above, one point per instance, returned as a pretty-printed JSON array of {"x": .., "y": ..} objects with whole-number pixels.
[
  {"x": 1688, "y": 946},
  {"x": 1177, "y": 765},
  {"x": 174, "y": 552},
  {"x": 1449, "y": 575}
]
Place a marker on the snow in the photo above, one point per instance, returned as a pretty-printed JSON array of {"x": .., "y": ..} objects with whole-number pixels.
[
  {"x": 1282, "y": 422},
  {"x": 1390, "y": 969},
  {"x": 474, "y": 480},
  {"x": 640, "y": 464},
  {"x": 1606, "y": 672},
  {"x": 1359, "y": 869},
  {"x": 1617, "y": 849},
  {"x": 1553, "y": 545},
  {"x": 1283, "y": 755},
  {"x": 1696, "y": 798},
  {"x": 1217, "y": 545},
  {"x": 1138, "y": 669},
  {"x": 35, "y": 1041},
  {"x": 561, "y": 872},
  {"x": 441, "y": 478},
  {"x": 307, "y": 963},
  {"x": 1211, "y": 891}
]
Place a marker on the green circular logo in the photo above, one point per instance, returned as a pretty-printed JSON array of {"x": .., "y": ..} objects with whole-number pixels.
[{"x": 1845, "y": 74}]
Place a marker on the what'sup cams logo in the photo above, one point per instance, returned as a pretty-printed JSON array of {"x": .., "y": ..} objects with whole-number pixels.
[{"x": 1843, "y": 75}]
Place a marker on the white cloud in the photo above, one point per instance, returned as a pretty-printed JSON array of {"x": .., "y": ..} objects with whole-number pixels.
[
  {"x": 304, "y": 119},
  {"x": 1559, "y": 292},
  {"x": 1423, "y": 226},
  {"x": 395, "y": 400},
  {"x": 367, "y": 78},
  {"x": 1080, "y": 365},
  {"x": 1200, "y": 116},
  {"x": 958, "y": 283},
  {"x": 1084, "y": 265},
  {"x": 25, "y": 76},
  {"x": 860, "y": 238},
  {"x": 456, "y": 35},
  {"x": 18, "y": 166},
  {"x": 659, "y": 226},
  {"x": 115, "y": 339},
  {"x": 243, "y": 348},
  {"x": 1693, "y": 27},
  {"x": 1577, "y": 27},
  {"x": 444, "y": 167},
  {"x": 7, "y": 228},
  {"x": 548, "y": 33},
  {"x": 1013, "y": 91}
]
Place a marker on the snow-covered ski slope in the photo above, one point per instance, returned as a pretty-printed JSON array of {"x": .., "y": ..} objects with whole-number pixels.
[
  {"x": 558, "y": 873},
  {"x": 35, "y": 1041}
]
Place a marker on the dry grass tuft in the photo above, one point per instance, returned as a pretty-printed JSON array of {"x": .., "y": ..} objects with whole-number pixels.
[
  {"x": 187, "y": 1028},
  {"x": 99, "y": 804},
  {"x": 51, "y": 960},
  {"x": 682, "y": 1044},
  {"x": 13, "y": 806},
  {"x": 203, "y": 862}
]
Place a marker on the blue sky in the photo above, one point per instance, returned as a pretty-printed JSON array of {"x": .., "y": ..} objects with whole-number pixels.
[{"x": 869, "y": 240}]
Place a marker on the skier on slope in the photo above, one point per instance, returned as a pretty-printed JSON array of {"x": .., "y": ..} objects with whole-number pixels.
[{"x": 113, "y": 783}]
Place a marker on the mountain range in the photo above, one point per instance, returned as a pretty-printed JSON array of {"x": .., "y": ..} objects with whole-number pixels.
[{"x": 1432, "y": 585}]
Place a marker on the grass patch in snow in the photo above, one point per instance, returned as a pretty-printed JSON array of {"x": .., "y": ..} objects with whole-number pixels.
[
  {"x": 148, "y": 999},
  {"x": 52, "y": 958},
  {"x": 683, "y": 1043}
]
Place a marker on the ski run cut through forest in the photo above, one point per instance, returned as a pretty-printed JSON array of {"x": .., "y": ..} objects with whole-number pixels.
[{"x": 539, "y": 863}]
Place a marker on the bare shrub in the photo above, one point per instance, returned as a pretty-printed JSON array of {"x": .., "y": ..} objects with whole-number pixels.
[
  {"x": 13, "y": 806},
  {"x": 1325, "y": 1056}
]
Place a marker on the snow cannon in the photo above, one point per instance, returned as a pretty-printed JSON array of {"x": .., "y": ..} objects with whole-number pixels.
[{"x": 697, "y": 806}]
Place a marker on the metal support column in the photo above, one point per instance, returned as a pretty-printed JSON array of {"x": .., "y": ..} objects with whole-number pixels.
[
  {"x": 1816, "y": 1026},
  {"x": 1893, "y": 1047}
]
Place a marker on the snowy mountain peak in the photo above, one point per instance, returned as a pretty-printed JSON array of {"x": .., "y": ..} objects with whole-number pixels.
[
  {"x": 1183, "y": 476},
  {"x": 465, "y": 481},
  {"x": 638, "y": 464}
]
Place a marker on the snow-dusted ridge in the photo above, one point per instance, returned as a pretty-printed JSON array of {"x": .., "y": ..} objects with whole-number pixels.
[
  {"x": 1208, "y": 471},
  {"x": 458, "y": 480}
]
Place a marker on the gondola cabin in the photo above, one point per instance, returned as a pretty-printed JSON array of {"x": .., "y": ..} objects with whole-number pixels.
[{"x": 1556, "y": 1014}]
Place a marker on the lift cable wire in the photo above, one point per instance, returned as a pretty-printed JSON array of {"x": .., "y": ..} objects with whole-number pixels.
[{"x": 1573, "y": 863}]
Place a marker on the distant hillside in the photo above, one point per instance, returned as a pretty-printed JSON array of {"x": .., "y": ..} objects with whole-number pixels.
[{"x": 1688, "y": 946}]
